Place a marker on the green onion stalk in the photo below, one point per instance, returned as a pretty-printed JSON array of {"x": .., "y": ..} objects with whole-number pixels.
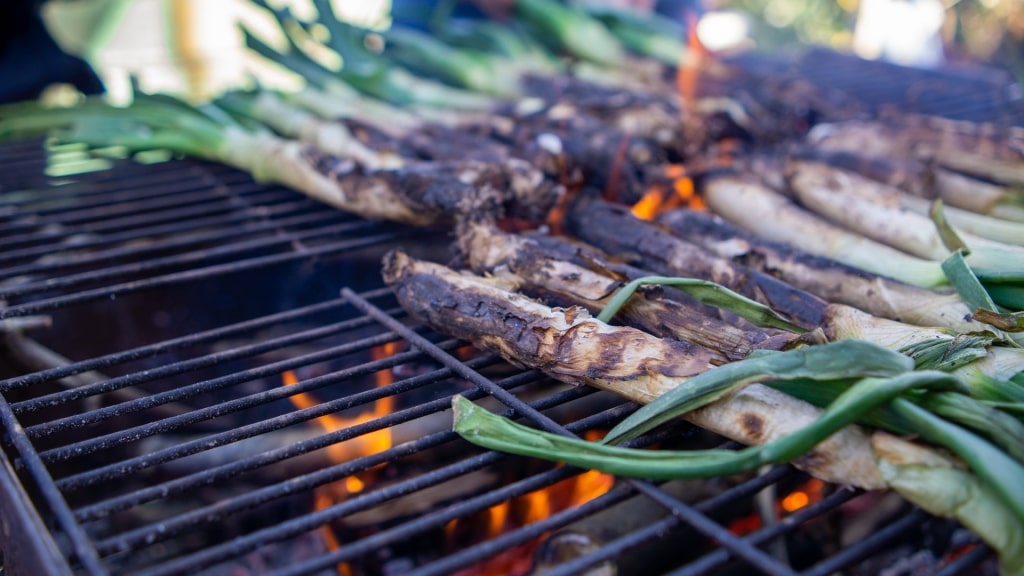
[
  {"x": 861, "y": 205},
  {"x": 544, "y": 266},
  {"x": 161, "y": 123},
  {"x": 506, "y": 40},
  {"x": 366, "y": 71},
  {"x": 990, "y": 152},
  {"x": 988, "y": 494},
  {"x": 572, "y": 30},
  {"x": 756, "y": 208},
  {"x": 476, "y": 71},
  {"x": 650, "y": 35},
  {"x": 984, "y": 225},
  {"x": 294, "y": 122},
  {"x": 825, "y": 278}
]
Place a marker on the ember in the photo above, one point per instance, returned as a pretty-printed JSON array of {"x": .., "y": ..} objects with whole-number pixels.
[
  {"x": 679, "y": 192},
  {"x": 526, "y": 509}
]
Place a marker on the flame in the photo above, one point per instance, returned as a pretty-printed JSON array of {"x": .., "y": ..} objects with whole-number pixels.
[
  {"x": 795, "y": 501},
  {"x": 321, "y": 501},
  {"x": 691, "y": 61},
  {"x": 808, "y": 493},
  {"x": 371, "y": 443},
  {"x": 526, "y": 509},
  {"x": 657, "y": 200}
]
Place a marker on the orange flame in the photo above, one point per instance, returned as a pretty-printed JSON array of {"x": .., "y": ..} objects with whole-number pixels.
[
  {"x": 691, "y": 61},
  {"x": 526, "y": 509},
  {"x": 657, "y": 200},
  {"x": 371, "y": 443},
  {"x": 810, "y": 492}
]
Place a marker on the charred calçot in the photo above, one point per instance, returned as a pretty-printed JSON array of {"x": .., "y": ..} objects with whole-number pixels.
[
  {"x": 543, "y": 267},
  {"x": 434, "y": 193},
  {"x": 571, "y": 346},
  {"x": 825, "y": 278}
]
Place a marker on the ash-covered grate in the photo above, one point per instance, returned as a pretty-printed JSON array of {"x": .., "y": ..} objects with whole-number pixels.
[{"x": 199, "y": 373}]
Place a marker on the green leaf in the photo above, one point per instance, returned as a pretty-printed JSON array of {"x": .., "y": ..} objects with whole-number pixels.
[
  {"x": 708, "y": 293},
  {"x": 1001, "y": 428},
  {"x": 833, "y": 361},
  {"x": 996, "y": 468},
  {"x": 492, "y": 431},
  {"x": 947, "y": 234},
  {"x": 949, "y": 354},
  {"x": 966, "y": 283},
  {"x": 943, "y": 490}
]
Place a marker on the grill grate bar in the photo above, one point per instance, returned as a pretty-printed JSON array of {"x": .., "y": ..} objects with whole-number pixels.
[
  {"x": 105, "y": 220},
  {"x": 191, "y": 519},
  {"x": 171, "y": 279},
  {"x": 132, "y": 465},
  {"x": 868, "y": 545},
  {"x": 171, "y": 369},
  {"x": 975, "y": 556},
  {"x": 181, "y": 227},
  {"x": 127, "y": 176},
  {"x": 610, "y": 550},
  {"x": 790, "y": 523},
  {"x": 156, "y": 195},
  {"x": 756, "y": 557},
  {"x": 127, "y": 435},
  {"x": 106, "y": 507},
  {"x": 65, "y": 519},
  {"x": 163, "y": 217},
  {"x": 185, "y": 240},
  {"x": 296, "y": 526},
  {"x": 177, "y": 343},
  {"x": 151, "y": 265}
]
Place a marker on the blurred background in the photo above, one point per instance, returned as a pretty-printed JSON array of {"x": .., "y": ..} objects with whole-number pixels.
[{"x": 193, "y": 48}]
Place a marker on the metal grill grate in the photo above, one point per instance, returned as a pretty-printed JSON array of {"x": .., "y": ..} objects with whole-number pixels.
[
  {"x": 183, "y": 291},
  {"x": 150, "y": 312}
]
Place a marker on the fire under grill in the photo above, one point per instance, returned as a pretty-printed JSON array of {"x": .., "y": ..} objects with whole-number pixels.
[{"x": 201, "y": 373}]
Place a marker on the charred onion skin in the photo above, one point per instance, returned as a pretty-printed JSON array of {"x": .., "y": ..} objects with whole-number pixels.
[
  {"x": 613, "y": 229},
  {"x": 565, "y": 343},
  {"x": 571, "y": 346},
  {"x": 541, "y": 267},
  {"x": 436, "y": 193}
]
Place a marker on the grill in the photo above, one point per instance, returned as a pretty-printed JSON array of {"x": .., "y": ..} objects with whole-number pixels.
[{"x": 154, "y": 313}]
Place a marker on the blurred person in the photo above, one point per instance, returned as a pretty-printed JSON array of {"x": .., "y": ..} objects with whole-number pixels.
[
  {"x": 31, "y": 60},
  {"x": 905, "y": 32}
]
